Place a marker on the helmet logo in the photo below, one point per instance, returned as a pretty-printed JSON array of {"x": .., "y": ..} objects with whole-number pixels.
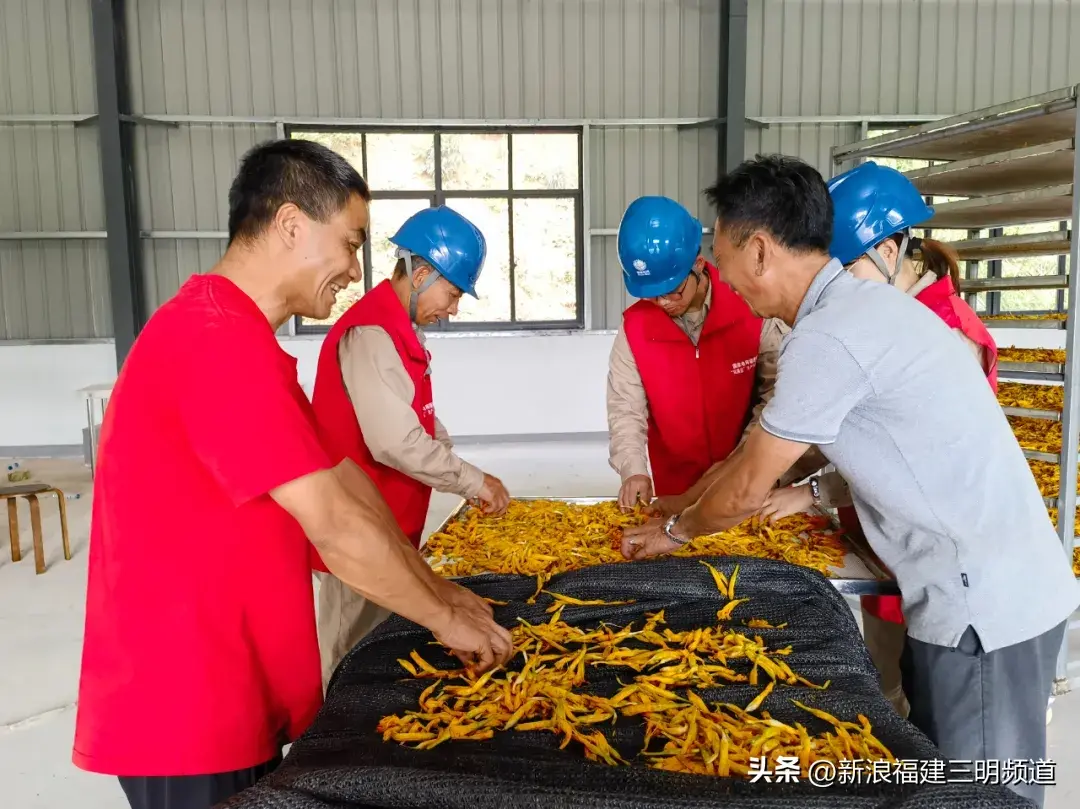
[{"x": 641, "y": 267}]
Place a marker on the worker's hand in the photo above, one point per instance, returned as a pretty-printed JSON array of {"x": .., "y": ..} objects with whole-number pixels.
[
  {"x": 494, "y": 496},
  {"x": 643, "y": 541},
  {"x": 784, "y": 502},
  {"x": 635, "y": 489},
  {"x": 474, "y": 639}
]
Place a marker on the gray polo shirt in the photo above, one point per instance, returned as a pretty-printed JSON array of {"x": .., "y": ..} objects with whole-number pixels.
[{"x": 942, "y": 488}]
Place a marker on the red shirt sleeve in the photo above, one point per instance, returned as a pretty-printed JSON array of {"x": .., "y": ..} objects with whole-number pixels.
[{"x": 245, "y": 414}]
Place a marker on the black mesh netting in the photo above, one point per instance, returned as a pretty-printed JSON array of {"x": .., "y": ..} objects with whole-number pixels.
[{"x": 343, "y": 762}]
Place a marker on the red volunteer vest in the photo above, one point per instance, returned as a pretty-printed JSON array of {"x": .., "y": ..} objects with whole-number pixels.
[
  {"x": 942, "y": 300},
  {"x": 408, "y": 498},
  {"x": 699, "y": 396}
]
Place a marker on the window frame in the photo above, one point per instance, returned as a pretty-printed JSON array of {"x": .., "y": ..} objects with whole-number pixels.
[{"x": 438, "y": 196}]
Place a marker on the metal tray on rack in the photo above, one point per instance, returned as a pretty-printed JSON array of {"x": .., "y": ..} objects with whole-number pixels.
[
  {"x": 992, "y": 322},
  {"x": 1015, "y": 124},
  {"x": 1029, "y": 413},
  {"x": 1039, "y": 455},
  {"x": 1047, "y": 204},
  {"x": 1053, "y": 243},
  {"x": 1003, "y": 172},
  {"x": 861, "y": 574},
  {"x": 1031, "y": 371}
]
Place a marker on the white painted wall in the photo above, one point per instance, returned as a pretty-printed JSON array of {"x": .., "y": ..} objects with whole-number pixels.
[
  {"x": 486, "y": 385},
  {"x": 39, "y": 399}
]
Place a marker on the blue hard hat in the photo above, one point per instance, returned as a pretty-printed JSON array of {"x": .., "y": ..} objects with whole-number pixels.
[
  {"x": 659, "y": 241},
  {"x": 871, "y": 203},
  {"x": 447, "y": 241}
]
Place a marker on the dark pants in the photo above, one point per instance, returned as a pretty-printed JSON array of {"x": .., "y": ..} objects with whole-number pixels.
[
  {"x": 989, "y": 706},
  {"x": 191, "y": 791}
]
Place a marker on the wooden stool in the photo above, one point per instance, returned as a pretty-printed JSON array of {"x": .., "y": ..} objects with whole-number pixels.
[{"x": 30, "y": 491}]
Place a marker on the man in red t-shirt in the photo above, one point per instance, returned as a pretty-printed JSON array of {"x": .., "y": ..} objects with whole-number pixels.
[{"x": 200, "y": 657}]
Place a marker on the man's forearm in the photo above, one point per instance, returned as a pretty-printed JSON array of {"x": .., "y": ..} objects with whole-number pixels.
[
  {"x": 363, "y": 546},
  {"x": 694, "y": 493},
  {"x": 711, "y": 517},
  {"x": 742, "y": 485},
  {"x": 714, "y": 472},
  {"x": 360, "y": 486},
  {"x": 723, "y": 503}
]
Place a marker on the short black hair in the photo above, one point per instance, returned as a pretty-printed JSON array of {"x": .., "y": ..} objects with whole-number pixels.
[
  {"x": 778, "y": 194},
  {"x": 309, "y": 175}
]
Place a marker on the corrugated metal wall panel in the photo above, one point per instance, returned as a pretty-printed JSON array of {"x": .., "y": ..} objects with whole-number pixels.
[
  {"x": 183, "y": 174},
  {"x": 51, "y": 178},
  {"x": 896, "y": 57},
  {"x": 49, "y": 174},
  {"x": 823, "y": 57},
  {"x": 810, "y": 142},
  {"x": 183, "y": 177},
  {"x": 54, "y": 290},
  {"x": 168, "y": 263},
  {"x": 46, "y": 61},
  {"x": 493, "y": 59},
  {"x": 426, "y": 58}
]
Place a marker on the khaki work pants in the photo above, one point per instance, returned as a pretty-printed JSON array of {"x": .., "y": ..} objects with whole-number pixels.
[
  {"x": 885, "y": 640},
  {"x": 345, "y": 619}
]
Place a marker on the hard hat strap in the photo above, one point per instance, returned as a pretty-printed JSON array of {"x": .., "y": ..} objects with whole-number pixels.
[
  {"x": 879, "y": 262},
  {"x": 433, "y": 276}
]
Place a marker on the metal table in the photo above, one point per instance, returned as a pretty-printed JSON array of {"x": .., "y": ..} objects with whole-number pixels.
[{"x": 861, "y": 574}]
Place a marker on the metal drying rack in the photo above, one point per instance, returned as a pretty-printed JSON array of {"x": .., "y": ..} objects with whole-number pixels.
[{"x": 1014, "y": 163}]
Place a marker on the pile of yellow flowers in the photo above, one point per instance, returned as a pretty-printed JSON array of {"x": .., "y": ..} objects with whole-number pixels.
[
  {"x": 544, "y": 537},
  {"x": 1038, "y": 434},
  {"x": 1055, "y": 316},
  {"x": 1048, "y": 476},
  {"x": 1033, "y": 397},
  {"x": 545, "y": 695},
  {"x": 1013, "y": 354}
]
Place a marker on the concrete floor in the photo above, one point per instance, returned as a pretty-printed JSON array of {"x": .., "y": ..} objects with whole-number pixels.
[{"x": 41, "y": 623}]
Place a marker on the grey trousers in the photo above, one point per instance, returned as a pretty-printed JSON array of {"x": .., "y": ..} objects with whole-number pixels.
[{"x": 976, "y": 705}]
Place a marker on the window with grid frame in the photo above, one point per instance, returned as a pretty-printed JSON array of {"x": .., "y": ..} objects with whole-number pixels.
[
  {"x": 1019, "y": 301},
  {"x": 520, "y": 187}
]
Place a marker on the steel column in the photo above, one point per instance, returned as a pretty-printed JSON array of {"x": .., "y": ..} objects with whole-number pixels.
[
  {"x": 586, "y": 225},
  {"x": 117, "y": 173},
  {"x": 733, "y": 86},
  {"x": 1070, "y": 414}
]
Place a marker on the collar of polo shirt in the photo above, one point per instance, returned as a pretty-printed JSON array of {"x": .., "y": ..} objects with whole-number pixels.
[{"x": 829, "y": 273}]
